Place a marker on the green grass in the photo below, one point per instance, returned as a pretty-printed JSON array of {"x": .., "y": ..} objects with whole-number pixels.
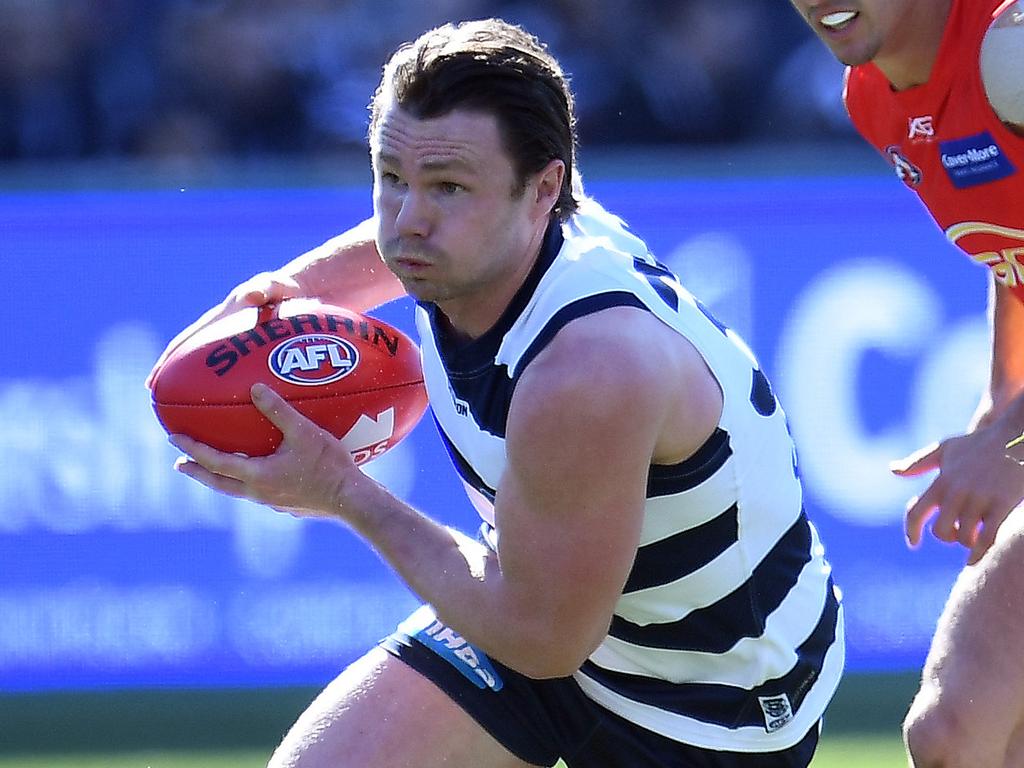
[
  {"x": 860, "y": 751},
  {"x": 215, "y": 728},
  {"x": 156, "y": 759},
  {"x": 841, "y": 751}
]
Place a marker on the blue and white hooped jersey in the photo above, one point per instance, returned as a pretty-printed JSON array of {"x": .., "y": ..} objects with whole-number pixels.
[{"x": 729, "y": 631}]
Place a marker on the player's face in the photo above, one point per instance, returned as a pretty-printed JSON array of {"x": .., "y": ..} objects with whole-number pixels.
[
  {"x": 450, "y": 224},
  {"x": 856, "y": 31}
]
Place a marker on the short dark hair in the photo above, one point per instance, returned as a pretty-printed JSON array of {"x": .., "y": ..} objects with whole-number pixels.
[{"x": 494, "y": 67}]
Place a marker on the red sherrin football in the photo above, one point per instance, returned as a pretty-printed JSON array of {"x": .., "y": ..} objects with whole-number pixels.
[{"x": 355, "y": 376}]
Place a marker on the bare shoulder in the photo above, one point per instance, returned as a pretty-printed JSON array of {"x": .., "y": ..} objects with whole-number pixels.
[
  {"x": 620, "y": 371},
  {"x": 615, "y": 356},
  {"x": 1002, "y": 65}
]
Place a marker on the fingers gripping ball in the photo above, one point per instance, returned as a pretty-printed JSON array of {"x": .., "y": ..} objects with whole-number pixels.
[{"x": 357, "y": 377}]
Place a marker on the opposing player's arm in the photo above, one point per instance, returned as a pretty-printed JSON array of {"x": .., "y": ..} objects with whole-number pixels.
[
  {"x": 1002, "y": 66},
  {"x": 978, "y": 485},
  {"x": 1007, "y": 348}
]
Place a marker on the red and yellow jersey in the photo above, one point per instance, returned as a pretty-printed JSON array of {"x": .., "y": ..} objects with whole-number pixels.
[{"x": 947, "y": 144}]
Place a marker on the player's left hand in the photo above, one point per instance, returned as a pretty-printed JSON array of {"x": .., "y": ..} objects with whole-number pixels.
[
  {"x": 978, "y": 485},
  {"x": 304, "y": 477}
]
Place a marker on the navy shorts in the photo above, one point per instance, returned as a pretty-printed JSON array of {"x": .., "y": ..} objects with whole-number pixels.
[{"x": 541, "y": 721}]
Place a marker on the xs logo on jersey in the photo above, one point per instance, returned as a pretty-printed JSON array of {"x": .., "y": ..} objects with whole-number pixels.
[
  {"x": 313, "y": 359},
  {"x": 907, "y": 172},
  {"x": 920, "y": 128}
]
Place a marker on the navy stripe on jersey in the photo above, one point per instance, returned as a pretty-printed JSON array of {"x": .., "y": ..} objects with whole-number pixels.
[
  {"x": 742, "y": 613},
  {"x": 487, "y": 389},
  {"x": 657, "y": 275},
  {"x": 585, "y": 306},
  {"x": 665, "y": 479},
  {"x": 761, "y": 395},
  {"x": 669, "y": 559},
  {"x": 463, "y": 467},
  {"x": 488, "y": 395},
  {"x": 729, "y": 705}
]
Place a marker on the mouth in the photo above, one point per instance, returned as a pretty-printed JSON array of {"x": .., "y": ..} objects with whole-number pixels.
[
  {"x": 409, "y": 267},
  {"x": 836, "y": 21}
]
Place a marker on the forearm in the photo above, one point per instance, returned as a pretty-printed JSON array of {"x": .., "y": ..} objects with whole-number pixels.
[
  {"x": 462, "y": 580},
  {"x": 1007, "y": 372},
  {"x": 346, "y": 270}
]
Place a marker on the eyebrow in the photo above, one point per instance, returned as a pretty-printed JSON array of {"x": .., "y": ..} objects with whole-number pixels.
[{"x": 454, "y": 163}]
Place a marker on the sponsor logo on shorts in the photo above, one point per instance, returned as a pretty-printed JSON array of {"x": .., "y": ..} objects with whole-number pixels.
[
  {"x": 454, "y": 648},
  {"x": 313, "y": 359},
  {"x": 777, "y": 711},
  {"x": 974, "y": 160}
]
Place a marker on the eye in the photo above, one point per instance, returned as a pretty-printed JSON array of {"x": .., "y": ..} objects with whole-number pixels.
[
  {"x": 450, "y": 187},
  {"x": 389, "y": 177}
]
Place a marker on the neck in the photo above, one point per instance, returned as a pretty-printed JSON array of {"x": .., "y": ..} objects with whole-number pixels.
[
  {"x": 908, "y": 55},
  {"x": 470, "y": 317}
]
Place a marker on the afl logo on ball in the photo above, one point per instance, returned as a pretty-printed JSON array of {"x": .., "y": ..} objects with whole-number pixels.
[{"x": 313, "y": 359}]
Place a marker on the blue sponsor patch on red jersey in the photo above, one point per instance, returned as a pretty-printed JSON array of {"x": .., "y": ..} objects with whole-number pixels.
[{"x": 974, "y": 160}]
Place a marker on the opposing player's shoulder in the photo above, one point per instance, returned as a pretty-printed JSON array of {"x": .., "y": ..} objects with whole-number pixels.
[{"x": 1002, "y": 64}]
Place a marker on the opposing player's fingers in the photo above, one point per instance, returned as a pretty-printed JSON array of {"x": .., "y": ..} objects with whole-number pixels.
[
  {"x": 946, "y": 524},
  {"x": 919, "y": 510},
  {"x": 968, "y": 527},
  {"x": 985, "y": 539},
  {"x": 923, "y": 460}
]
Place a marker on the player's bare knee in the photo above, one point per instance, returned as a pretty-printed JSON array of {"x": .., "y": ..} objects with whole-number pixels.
[{"x": 934, "y": 733}]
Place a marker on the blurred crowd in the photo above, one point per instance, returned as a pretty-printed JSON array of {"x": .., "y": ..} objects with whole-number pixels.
[{"x": 157, "y": 78}]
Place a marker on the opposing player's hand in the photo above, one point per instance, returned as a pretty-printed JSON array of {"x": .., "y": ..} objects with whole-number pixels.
[
  {"x": 306, "y": 476},
  {"x": 264, "y": 288},
  {"x": 978, "y": 485}
]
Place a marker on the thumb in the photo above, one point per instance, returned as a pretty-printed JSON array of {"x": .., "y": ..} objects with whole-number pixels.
[{"x": 923, "y": 460}]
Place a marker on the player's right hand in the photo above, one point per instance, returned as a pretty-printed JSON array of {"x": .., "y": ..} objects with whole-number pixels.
[{"x": 260, "y": 289}]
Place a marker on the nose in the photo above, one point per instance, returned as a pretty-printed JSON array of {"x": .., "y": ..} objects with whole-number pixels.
[{"x": 413, "y": 218}]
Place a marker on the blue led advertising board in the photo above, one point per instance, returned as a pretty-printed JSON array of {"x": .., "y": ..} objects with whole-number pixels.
[{"x": 117, "y": 571}]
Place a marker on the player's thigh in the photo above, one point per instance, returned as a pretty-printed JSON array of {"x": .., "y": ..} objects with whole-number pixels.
[
  {"x": 975, "y": 668},
  {"x": 380, "y": 713}
]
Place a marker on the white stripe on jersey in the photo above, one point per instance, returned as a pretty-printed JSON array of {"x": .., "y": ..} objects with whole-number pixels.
[
  {"x": 749, "y": 663},
  {"x": 708, "y": 500},
  {"x": 712, "y": 736}
]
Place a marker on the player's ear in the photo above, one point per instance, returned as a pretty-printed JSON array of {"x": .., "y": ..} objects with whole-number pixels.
[{"x": 548, "y": 185}]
